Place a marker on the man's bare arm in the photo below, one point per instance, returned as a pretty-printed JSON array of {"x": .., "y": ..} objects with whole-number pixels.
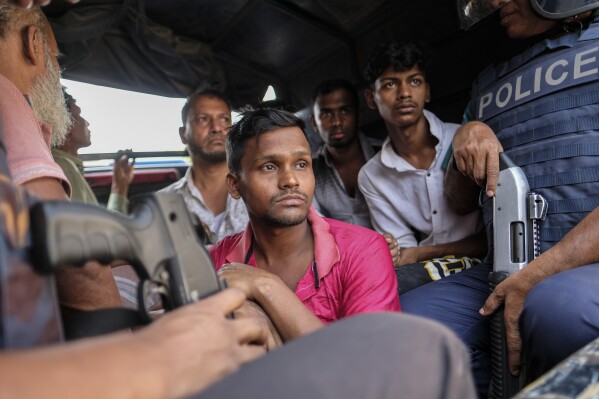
[
  {"x": 460, "y": 191},
  {"x": 578, "y": 248},
  {"x": 289, "y": 315},
  {"x": 474, "y": 246},
  {"x": 180, "y": 354}
]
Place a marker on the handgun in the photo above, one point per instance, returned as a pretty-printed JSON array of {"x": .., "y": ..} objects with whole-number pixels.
[
  {"x": 517, "y": 213},
  {"x": 157, "y": 239}
]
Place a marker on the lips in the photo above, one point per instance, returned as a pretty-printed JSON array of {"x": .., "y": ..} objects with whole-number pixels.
[
  {"x": 404, "y": 107},
  {"x": 292, "y": 199}
]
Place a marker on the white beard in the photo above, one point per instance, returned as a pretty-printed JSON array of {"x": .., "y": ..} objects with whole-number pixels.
[{"x": 48, "y": 103}]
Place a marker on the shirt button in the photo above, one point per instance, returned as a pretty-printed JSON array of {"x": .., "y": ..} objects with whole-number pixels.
[
  {"x": 428, "y": 174},
  {"x": 434, "y": 212}
]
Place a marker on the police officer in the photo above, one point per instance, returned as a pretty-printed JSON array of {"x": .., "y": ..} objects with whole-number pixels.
[{"x": 540, "y": 108}]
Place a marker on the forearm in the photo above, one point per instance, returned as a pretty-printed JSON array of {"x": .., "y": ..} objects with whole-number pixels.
[
  {"x": 474, "y": 246},
  {"x": 88, "y": 288},
  {"x": 578, "y": 248},
  {"x": 116, "y": 366},
  {"x": 289, "y": 315},
  {"x": 460, "y": 191}
]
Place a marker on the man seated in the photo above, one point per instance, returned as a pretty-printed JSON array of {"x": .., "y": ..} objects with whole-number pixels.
[
  {"x": 403, "y": 184},
  {"x": 335, "y": 116},
  {"x": 206, "y": 120},
  {"x": 302, "y": 269},
  {"x": 66, "y": 156},
  {"x": 32, "y": 116}
]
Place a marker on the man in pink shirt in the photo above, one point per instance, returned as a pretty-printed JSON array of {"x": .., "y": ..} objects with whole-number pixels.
[{"x": 302, "y": 269}]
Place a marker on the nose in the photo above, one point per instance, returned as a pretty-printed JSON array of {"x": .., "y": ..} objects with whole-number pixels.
[
  {"x": 403, "y": 91},
  {"x": 336, "y": 118},
  {"x": 498, "y": 3},
  {"x": 288, "y": 179}
]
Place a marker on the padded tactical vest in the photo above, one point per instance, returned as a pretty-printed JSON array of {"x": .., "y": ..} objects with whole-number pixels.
[{"x": 543, "y": 106}]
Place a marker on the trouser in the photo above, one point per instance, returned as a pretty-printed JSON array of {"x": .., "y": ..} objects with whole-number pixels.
[
  {"x": 560, "y": 316},
  {"x": 454, "y": 301},
  {"x": 368, "y": 356},
  {"x": 415, "y": 275}
]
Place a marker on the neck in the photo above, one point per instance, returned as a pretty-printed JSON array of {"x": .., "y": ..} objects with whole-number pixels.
[
  {"x": 69, "y": 149},
  {"x": 414, "y": 143},
  {"x": 346, "y": 155},
  {"x": 206, "y": 173},
  {"x": 274, "y": 246}
]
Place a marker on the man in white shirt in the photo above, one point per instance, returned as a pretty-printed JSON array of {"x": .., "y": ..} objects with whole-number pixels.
[
  {"x": 403, "y": 183},
  {"x": 206, "y": 120}
]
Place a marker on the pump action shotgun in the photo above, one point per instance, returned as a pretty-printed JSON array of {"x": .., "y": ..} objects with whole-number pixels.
[{"x": 516, "y": 216}]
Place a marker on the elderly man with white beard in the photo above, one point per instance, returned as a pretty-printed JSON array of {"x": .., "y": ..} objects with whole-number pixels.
[{"x": 33, "y": 116}]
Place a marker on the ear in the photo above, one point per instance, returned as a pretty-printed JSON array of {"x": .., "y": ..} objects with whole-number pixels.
[
  {"x": 33, "y": 45},
  {"x": 313, "y": 121},
  {"x": 369, "y": 96},
  {"x": 233, "y": 185},
  {"x": 182, "y": 135},
  {"x": 428, "y": 93}
]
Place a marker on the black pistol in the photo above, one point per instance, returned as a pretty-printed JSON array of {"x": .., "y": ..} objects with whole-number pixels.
[{"x": 157, "y": 239}]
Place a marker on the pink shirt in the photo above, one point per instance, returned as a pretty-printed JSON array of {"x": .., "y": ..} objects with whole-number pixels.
[
  {"x": 355, "y": 270},
  {"x": 27, "y": 141}
]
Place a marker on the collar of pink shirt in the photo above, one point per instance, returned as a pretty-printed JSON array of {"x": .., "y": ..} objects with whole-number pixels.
[{"x": 326, "y": 251}]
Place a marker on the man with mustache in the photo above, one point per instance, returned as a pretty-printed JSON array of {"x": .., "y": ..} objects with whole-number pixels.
[
  {"x": 403, "y": 183},
  {"x": 33, "y": 116},
  {"x": 302, "y": 269},
  {"x": 206, "y": 120}
]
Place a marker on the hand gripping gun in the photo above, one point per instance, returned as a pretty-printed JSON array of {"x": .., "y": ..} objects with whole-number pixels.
[
  {"x": 157, "y": 239},
  {"x": 516, "y": 216}
]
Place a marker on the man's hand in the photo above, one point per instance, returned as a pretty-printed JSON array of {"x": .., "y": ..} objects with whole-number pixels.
[
  {"x": 408, "y": 256},
  {"x": 243, "y": 277},
  {"x": 252, "y": 310},
  {"x": 196, "y": 345},
  {"x": 122, "y": 175},
  {"x": 393, "y": 248},
  {"x": 511, "y": 293},
  {"x": 476, "y": 154}
]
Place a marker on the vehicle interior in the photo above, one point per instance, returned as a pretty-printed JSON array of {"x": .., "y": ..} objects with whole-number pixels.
[{"x": 242, "y": 47}]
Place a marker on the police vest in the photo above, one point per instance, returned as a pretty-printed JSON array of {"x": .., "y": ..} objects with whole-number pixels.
[{"x": 543, "y": 106}]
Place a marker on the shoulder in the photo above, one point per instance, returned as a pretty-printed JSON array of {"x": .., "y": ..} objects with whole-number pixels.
[
  {"x": 176, "y": 186},
  {"x": 220, "y": 250},
  {"x": 350, "y": 236}
]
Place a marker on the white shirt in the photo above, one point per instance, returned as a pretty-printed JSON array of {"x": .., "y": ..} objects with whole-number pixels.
[
  {"x": 233, "y": 220},
  {"x": 409, "y": 202}
]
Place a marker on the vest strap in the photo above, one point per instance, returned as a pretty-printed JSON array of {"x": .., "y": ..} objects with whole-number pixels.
[
  {"x": 554, "y": 152},
  {"x": 573, "y": 205},
  {"x": 569, "y": 177}
]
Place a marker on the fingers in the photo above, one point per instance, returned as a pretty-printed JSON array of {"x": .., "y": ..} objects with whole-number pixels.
[
  {"x": 223, "y": 302},
  {"x": 513, "y": 340},
  {"x": 493, "y": 302},
  {"x": 249, "y": 353},
  {"x": 250, "y": 331},
  {"x": 492, "y": 173}
]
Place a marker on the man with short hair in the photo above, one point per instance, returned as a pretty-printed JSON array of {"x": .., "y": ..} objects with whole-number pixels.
[
  {"x": 403, "y": 183},
  {"x": 206, "y": 118},
  {"x": 335, "y": 116},
  {"x": 302, "y": 269},
  {"x": 33, "y": 116}
]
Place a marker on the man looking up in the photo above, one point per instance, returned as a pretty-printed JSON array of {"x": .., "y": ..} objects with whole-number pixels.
[
  {"x": 206, "y": 120},
  {"x": 67, "y": 157},
  {"x": 304, "y": 270},
  {"x": 403, "y": 184},
  {"x": 33, "y": 116}
]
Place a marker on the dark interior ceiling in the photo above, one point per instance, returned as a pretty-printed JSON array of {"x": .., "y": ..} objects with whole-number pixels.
[{"x": 173, "y": 47}]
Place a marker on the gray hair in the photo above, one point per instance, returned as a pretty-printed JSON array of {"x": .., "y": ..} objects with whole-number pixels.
[{"x": 14, "y": 17}]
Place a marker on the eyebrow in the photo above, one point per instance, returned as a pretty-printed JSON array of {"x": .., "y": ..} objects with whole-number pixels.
[{"x": 276, "y": 156}]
